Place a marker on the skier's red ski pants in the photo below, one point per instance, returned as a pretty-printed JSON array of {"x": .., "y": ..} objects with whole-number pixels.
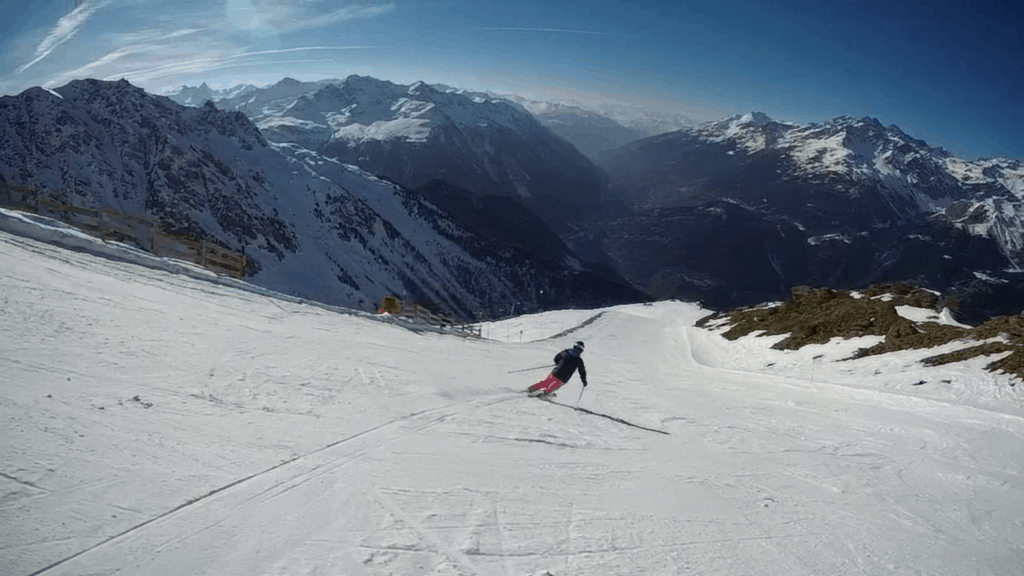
[{"x": 548, "y": 385}]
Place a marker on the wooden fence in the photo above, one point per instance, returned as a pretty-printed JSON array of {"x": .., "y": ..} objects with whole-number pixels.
[
  {"x": 113, "y": 225},
  {"x": 416, "y": 313},
  {"x": 202, "y": 252},
  {"x": 19, "y": 197}
]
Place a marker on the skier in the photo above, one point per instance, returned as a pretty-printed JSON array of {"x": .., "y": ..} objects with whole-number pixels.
[{"x": 566, "y": 363}]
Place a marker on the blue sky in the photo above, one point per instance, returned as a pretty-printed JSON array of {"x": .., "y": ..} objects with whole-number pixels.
[{"x": 950, "y": 74}]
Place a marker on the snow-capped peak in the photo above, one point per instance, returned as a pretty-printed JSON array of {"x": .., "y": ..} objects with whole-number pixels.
[
  {"x": 361, "y": 108},
  {"x": 421, "y": 88},
  {"x": 751, "y": 120},
  {"x": 755, "y": 118},
  {"x": 985, "y": 197}
]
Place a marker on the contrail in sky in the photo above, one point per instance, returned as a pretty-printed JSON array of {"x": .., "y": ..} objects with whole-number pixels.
[
  {"x": 559, "y": 30},
  {"x": 183, "y": 68},
  {"x": 203, "y": 64},
  {"x": 65, "y": 28}
]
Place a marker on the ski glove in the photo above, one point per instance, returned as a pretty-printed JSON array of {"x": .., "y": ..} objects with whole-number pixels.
[{"x": 584, "y": 383}]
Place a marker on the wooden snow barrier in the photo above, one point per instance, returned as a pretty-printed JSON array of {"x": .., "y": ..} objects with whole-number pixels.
[
  {"x": 391, "y": 305},
  {"x": 19, "y": 197},
  {"x": 105, "y": 223},
  {"x": 110, "y": 224},
  {"x": 420, "y": 314},
  {"x": 207, "y": 254}
]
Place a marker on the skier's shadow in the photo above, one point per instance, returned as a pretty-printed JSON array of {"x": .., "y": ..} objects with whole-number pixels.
[{"x": 619, "y": 420}]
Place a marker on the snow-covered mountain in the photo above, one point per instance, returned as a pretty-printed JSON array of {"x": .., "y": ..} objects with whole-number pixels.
[
  {"x": 845, "y": 202},
  {"x": 636, "y": 119},
  {"x": 266, "y": 101},
  {"x": 913, "y": 177},
  {"x": 415, "y": 134},
  {"x": 863, "y": 157},
  {"x": 199, "y": 95},
  {"x": 310, "y": 225},
  {"x": 597, "y": 128},
  {"x": 650, "y": 122},
  {"x": 591, "y": 133}
]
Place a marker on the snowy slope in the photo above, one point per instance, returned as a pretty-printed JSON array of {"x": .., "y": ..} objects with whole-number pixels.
[{"x": 159, "y": 424}]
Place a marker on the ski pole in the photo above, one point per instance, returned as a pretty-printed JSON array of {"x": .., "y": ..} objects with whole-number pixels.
[
  {"x": 581, "y": 396},
  {"x": 525, "y": 369}
]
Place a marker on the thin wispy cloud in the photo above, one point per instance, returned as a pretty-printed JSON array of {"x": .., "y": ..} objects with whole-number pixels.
[
  {"x": 351, "y": 13},
  {"x": 131, "y": 45},
  {"x": 553, "y": 30},
  {"x": 181, "y": 66},
  {"x": 64, "y": 30},
  {"x": 151, "y": 36},
  {"x": 277, "y": 16},
  {"x": 249, "y": 66},
  {"x": 156, "y": 40}
]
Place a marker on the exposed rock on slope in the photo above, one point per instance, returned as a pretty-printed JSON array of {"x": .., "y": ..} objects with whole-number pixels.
[{"x": 816, "y": 316}]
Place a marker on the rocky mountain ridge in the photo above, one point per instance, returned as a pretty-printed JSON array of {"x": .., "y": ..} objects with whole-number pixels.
[
  {"x": 415, "y": 134},
  {"x": 311, "y": 226},
  {"x": 731, "y": 212},
  {"x": 860, "y": 156},
  {"x": 845, "y": 203},
  {"x": 592, "y": 129}
]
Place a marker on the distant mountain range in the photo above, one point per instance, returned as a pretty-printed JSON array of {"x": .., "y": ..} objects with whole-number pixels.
[
  {"x": 474, "y": 202},
  {"x": 416, "y": 134},
  {"x": 311, "y": 225},
  {"x": 738, "y": 210},
  {"x": 592, "y": 130},
  {"x": 591, "y": 133},
  {"x": 199, "y": 95}
]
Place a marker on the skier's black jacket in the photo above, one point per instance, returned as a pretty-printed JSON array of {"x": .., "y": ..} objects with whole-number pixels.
[{"x": 567, "y": 362}]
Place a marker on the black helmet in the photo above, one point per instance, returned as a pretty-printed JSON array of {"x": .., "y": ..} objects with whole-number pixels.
[{"x": 578, "y": 345}]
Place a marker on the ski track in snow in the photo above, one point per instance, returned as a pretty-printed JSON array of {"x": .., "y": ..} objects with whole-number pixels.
[
  {"x": 158, "y": 424},
  {"x": 278, "y": 480}
]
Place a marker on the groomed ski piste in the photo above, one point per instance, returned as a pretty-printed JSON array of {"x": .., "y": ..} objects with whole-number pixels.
[{"x": 155, "y": 421}]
